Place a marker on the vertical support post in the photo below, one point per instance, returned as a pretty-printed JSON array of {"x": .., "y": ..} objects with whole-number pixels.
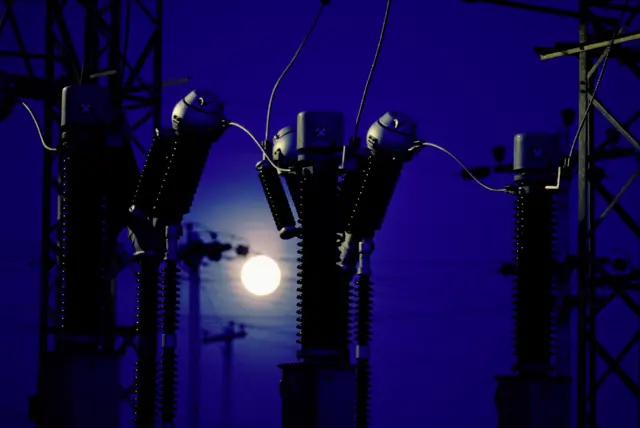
[
  {"x": 319, "y": 391},
  {"x": 227, "y": 355},
  {"x": 195, "y": 328},
  {"x": 91, "y": 57},
  {"x": 586, "y": 413},
  {"x": 229, "y": 334},
  {"x": 535, "y": 395}
]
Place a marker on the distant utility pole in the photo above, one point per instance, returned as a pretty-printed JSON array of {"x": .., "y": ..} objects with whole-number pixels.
[
  {"x": 192, "y": 255},
  {"x": 231, "y": 333},
  {"x": 193, "y": 259}
]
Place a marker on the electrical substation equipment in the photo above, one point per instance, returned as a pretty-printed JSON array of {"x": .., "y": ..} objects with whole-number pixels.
[
  {"x": 340, "y": 207},
  {"x": 92, "y": 208},
  {"x": 164, "y": 195},
  {"x": 535, "y": 395}
]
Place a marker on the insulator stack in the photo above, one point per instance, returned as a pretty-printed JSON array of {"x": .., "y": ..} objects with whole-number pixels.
[
  {"x": 535, "y": 284},
  {"x": 152, "y": 175},
  {"x": 84, "y": 284},
  {"x": 187, "y": 158},
  {"x": 277, "y": 199},
  {"x": 350, "y": 188},
  {"x": 169, "y": 319},
  {"x": 379, "y": 181},
  {"x": 323, "y": 304},
  {"x": 364, "y": 320},
  {"x": 88, "y": 220},
  {"x": 536, "y": 158},
  {"x": 147, "y": 329},
  {"x": 293, "y": 184}
]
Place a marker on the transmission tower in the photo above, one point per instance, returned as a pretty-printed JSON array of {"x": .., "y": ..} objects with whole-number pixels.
[
  {"x": 604, "y": 28},
  {"x": 57, "y": 63}
]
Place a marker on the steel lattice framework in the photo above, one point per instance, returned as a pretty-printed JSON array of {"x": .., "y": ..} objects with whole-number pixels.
[
  {"x": 602, "y": 25},
  {"x": 134, "y": 80}
]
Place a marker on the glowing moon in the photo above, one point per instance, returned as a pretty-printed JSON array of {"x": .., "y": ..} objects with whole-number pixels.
[{"x": 260, "y": 275}]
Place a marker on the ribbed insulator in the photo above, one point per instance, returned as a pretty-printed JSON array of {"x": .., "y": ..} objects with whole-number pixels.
[
  {"x": 364, "y": 309},
  {"x": 170, "y": 306},
  {"x": 187, "y": 158},
  {"x": 145, "y": 377},
  {"x": 534, "y": 296},
  {"x": 293, "y": 184},
  {"x": 276, "y": 196},
  {"x": 349, "y": 190},
  {"x": 379, "y": 181},
  {"x": 323, "y": 303},
  {"x": 364, "y": 326},
  {"x": 85, "y": 303},
  {"x": 363, "y": 391},
  {"x": 155, "y": 167}
]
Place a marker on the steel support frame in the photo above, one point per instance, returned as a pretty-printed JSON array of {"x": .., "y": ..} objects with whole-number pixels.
[
  {"x": 58, "y": 64},
  {"x": 597, "y": 287}
]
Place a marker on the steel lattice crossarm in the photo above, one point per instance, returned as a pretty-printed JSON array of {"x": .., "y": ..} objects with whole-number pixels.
[
  {"x": 604, "y": 28},
  {"x": 40, "y": 73}
]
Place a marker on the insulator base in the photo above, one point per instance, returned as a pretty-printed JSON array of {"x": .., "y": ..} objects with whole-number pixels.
[
  {"x": 543, "y": 402},
  {"x": 535, "y": 284},
  {"x": 69, "y": 397},
  {"x": 323, "y": 298},
  {"x": 317, "y": 395}
]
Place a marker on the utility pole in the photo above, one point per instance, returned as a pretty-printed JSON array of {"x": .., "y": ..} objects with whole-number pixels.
[
  {"x": 231, "y": 333},
  {"x": 193, "y": 254},
  {"x": 193, "y": 260}
]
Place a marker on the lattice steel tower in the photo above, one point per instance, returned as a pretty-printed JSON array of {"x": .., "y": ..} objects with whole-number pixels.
[{"x": 41, "y": 76}]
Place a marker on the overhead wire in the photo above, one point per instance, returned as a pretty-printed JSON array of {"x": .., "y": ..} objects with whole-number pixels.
[
  {"x": 286, "y": 70},
  {"x": 372, "y": 70},
  {"x": 37, "y": 125},
  {"x": 602, "y": 62},
  {"x": 262, "y": 149},
  {"x": 462, "y": 165}
]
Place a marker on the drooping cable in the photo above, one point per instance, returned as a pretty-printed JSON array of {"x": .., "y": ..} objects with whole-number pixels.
[
  {"x": 463, "y": 166},
  {"x": 37, "y": 125},
  {"x": 267, "y": 131},
  {"x": 372, "y": 70},
  {"x": 603, "y": 61}
]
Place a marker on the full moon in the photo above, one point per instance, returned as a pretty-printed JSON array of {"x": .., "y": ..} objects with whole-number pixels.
[{"x": 260, "y": 275}]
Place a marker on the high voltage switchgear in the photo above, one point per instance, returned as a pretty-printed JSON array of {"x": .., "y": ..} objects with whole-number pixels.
[
  {"x": 535, "y": 395},
  {"x": 164, "y": 195},
  {"x": 340, "y": 191},
  {"x": 340, "y": 207},
  {"x": 93, "y": 211}
]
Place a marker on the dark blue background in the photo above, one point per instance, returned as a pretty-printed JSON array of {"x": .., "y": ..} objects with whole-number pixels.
[{"x": 467, "y": 74}]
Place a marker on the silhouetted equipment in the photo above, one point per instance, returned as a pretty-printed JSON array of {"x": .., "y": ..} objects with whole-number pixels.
[
  {"x": 165, "y": 192},
  {"x": 242, "y": 250},
  {"x": 93, "y": 204},
  {"x": 499, "y": 154},
  {"x": 534, "y": 395},
  {"x": 323, "y": 314},
  {"x": 49, "y": 63},
  {"x": 7, "y": 96},
  {"x": 603, "y": 32},
  {"x": 277, "y": 199},
  {"x": 374, "y": 179}
]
